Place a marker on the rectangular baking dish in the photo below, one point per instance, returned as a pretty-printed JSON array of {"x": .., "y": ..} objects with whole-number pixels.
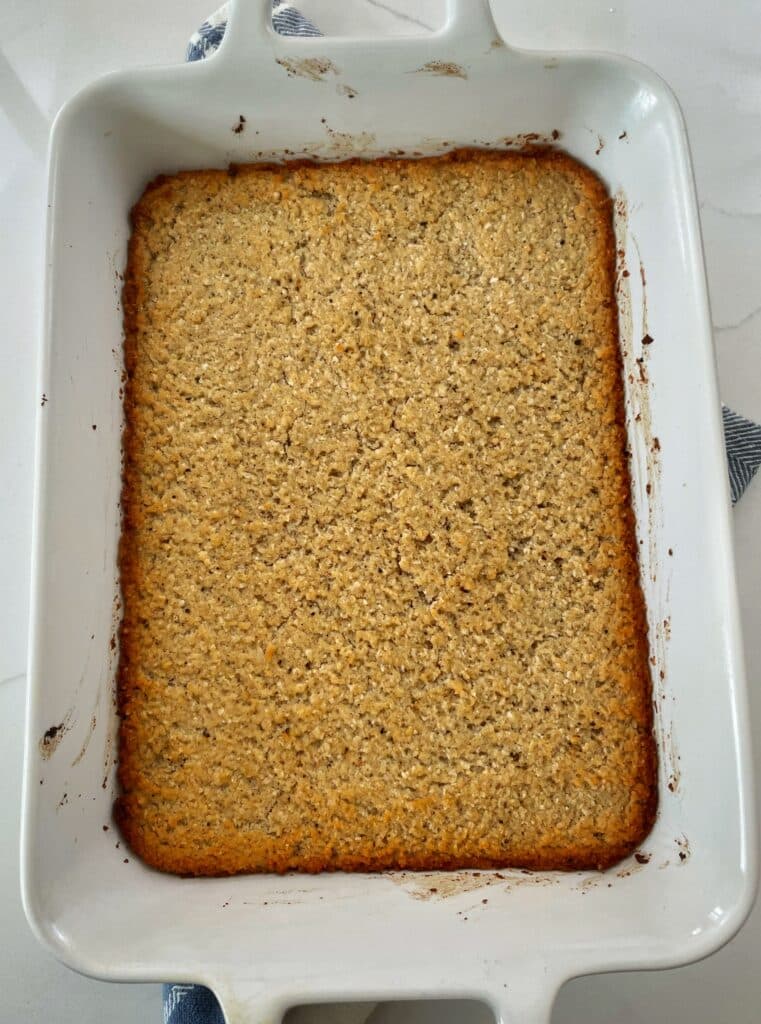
[{"x": 264, "y": 942}]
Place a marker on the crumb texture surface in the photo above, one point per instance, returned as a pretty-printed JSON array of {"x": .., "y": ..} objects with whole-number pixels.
[{"x": 381, "y": 598}]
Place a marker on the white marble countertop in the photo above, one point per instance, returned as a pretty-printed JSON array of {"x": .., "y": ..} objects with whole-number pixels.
[{"x": 710, "y": 54}]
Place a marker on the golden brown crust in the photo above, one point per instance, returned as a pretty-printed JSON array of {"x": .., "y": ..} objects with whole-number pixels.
[{"x": 519, "y": 620}]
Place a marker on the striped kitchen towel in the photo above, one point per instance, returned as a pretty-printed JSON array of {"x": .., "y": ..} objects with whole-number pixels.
[
  {"x": 285, "y": 19},
  {"x": 194, "y": 1004},
  {"x": 743, "y": 441}
]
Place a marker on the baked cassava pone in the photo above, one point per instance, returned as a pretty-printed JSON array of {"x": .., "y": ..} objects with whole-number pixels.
[{"x": 381, "y": 594}]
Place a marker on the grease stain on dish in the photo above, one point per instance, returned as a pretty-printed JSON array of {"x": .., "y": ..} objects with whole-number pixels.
[
  {"x": 337, "y": 147},
  {"x": 442, "y": 69},
  {"x": 684, "y": 852},
  {"x": 109, "y": 758},
  {"x": 88, "y": 736},
  {"x": 643, "y": 280},
  {"x": 348, "y": 144},
  {"x": 440, "y": 885},
  {"x": 527, "y": 140},
  {"x": 281, "y": 898},
  {"x": 312, "y": 68},
  {"x": 635, "y": 359},
  {"x": 671, "y": 760},
  {"x": 590, "y": 882},
  {"x": 656, "y": 568},
  {"x": 51, "y": 738}
]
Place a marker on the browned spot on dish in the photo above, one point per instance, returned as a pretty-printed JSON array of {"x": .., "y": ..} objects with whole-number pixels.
[
  {"x": 671, "y": 760},
  {"x": 642, "y": 858},
  {"x": 86, "y": 743},
  {"x": 312, "y": 68},
  {"x": 529, "y": 141},
  {"x": 600, "y": 145},
  {"x": 445, "y": 69},
  {"x": 346, "y": 90},
  {"x": 51, "y": 738},
  {"x": 647, "y": 340},
  {"x": 241, "y": 125},
  {"x": 624, "y": 135},
  {"x": 346, "y": 144}
]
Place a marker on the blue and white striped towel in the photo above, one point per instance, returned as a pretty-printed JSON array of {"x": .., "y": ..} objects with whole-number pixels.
[
  {"x": 285, "y": 19},
  {"x": 193, "y": 1004},
  {"x": 743, "y": 440}
]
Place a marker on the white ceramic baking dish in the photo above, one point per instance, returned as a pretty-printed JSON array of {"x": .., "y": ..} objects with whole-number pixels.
[{"x": 264, "y": 942}]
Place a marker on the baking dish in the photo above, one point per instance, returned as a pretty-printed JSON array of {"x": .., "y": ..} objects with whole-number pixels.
[{"x": 263, "y": 942}]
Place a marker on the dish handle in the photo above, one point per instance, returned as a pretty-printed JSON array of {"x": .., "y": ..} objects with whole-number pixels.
[
  {"x": 250, "y": 36},
  {"x": 527, "y": 999},
  {"x": 470, "y": 26}
]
